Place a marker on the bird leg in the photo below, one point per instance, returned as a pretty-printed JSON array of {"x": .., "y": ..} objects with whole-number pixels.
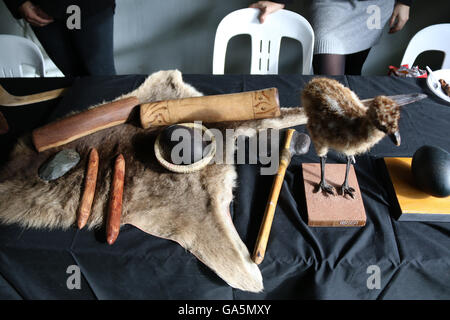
[
  {"x": 345, "y": 189},
  {"x": 323, "y": 185}
]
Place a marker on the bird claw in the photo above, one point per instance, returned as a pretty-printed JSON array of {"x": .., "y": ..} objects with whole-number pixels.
[
  {"x": 325, "y": 187},
  {"x": 348, "y": 190}
]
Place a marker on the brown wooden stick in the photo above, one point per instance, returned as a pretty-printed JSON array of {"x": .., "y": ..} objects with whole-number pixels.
[
  {"x": 115, "y": 202},
  {"x": 79, "y": 125},
  {"x": 89, "y": 189},
  {"x": 266, "y": 225}
]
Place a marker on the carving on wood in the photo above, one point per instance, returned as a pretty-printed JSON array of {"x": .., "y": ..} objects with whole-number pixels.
[
  {"x": 264, "y": 106},
  {"x": 155, "y": 114}
]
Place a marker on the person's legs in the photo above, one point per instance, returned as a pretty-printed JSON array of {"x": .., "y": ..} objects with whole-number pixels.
[
  {"x": 55, "y": 39},
  {"x": 94, "y": 43},
  {"x": 354, "y": 62},
  {"x": 329, "y": 64},
  {"x": 339, "y": 64}
]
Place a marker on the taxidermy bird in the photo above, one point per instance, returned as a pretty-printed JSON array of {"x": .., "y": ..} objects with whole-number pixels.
[{"x": 337, "y": 119}]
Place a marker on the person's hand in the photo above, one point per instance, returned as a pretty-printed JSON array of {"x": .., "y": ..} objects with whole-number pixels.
[
  {"x": 266, "y": 7},
  {"x": 399, "y": 17},
  {"x": 34, "y": 15}
]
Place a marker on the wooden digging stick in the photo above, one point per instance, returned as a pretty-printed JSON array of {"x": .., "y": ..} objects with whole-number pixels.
[
  {"x": 90, "y": 182},
  {"x": 115, "y": 202},
  {"x": 9, "y": 100},
  {"x": 266, "y": 225}
]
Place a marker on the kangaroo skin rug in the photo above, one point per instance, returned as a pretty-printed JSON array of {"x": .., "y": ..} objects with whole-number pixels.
[{"x": 191, "y": 209}]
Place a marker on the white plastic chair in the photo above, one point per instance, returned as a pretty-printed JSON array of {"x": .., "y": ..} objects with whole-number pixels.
[
  {"x": 15, "y": 53},
  {"x": 265, "y": 38},
  {"x": 435, "y": 37}
]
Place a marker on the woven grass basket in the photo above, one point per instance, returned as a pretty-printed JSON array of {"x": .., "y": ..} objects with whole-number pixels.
[{"x": 187, "y": 168}]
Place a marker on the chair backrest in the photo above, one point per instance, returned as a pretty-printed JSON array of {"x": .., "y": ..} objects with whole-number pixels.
[
  {"x": 265, "y": 38},
  {"x": 16, "y": 52},
  {"x": 435, "y": 37}
]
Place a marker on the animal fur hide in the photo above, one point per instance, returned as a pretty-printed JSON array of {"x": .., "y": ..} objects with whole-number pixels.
[{"x": 191, "y": 209}]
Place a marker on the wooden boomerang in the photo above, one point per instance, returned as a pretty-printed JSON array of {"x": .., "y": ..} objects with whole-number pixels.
[{"x": 9, "y": 100}]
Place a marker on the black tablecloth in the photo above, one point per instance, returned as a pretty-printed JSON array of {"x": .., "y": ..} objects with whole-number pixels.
[{"x": 301, "y": 261}]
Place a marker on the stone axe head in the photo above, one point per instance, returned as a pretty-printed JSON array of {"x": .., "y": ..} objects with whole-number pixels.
[{"x": 295, "y": 144}]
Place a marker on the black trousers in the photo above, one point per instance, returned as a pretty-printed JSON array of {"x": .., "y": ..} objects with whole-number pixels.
[{"x": 81, "y": 52}]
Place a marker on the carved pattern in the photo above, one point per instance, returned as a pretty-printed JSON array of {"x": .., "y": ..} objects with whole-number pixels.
[
  {"x": 264, "y": 104},
  {"x": 156, "y": 114}
]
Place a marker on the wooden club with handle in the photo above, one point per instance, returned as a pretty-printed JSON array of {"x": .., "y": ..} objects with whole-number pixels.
[{"x": 295, "y": 144}]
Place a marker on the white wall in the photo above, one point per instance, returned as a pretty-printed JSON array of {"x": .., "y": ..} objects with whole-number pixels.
[{"x": 151, "y": 35}]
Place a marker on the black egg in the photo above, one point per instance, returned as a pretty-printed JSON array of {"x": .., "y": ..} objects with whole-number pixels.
[
  {"x": 431, "y": 170},
  {"x": 188, "y": 142}
]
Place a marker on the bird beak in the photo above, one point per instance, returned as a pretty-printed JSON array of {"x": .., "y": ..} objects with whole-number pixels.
[{"x": 395, "y": 137}]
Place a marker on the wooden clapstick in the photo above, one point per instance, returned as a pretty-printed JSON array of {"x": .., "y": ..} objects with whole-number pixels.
[
  {"x": 90, "y": 182},
  {"x": 266, "y": 225},
  {"x": 115, "y": 201},
  {"x": 226, "y": 107},
  {"x": 249, "y": 105}
]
